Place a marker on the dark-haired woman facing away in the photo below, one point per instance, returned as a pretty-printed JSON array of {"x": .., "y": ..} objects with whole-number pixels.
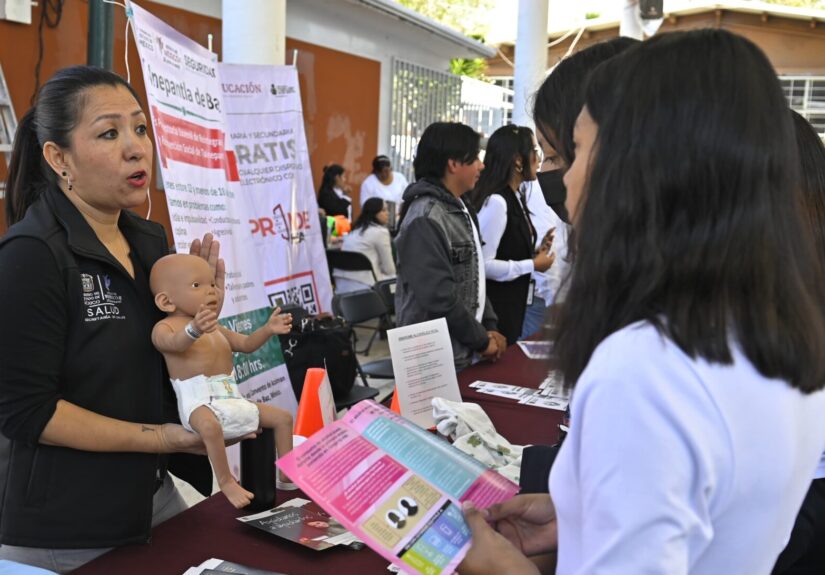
[
  {"x": 556, "y": 105},
  {"x": 333, "y": 195},
  {"x": 805, "y": 552},
  {"x": 84, "y": 398},
  {"x": 512, "y": 158},
  {"x": 371, "y": 237},
  {"x": 694, "y": 317}
]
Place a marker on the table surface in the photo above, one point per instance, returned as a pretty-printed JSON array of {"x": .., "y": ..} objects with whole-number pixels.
[{"x": 210, "y": 529}]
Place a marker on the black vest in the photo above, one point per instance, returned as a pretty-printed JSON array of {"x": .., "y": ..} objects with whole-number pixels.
[{"x": 509, "y": 298}]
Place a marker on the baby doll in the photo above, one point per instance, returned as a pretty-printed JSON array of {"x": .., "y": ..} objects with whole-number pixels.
[{"x": 198, "y": 353}]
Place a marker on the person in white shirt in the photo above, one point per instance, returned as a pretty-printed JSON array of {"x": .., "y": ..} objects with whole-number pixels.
[
  {"x": 805, "y": 552},
  {"x": 386, "y": 184},
  {"x": 548, "y": 283},
  {"x": 692, "y": 332},
  {"x": 510, "y": 255},
  {"x": 555, "y": 107},
  {"x": 369, "y": 236}
]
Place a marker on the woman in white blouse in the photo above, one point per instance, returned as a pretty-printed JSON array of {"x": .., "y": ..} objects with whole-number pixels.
[
  {"x": 509, "y": 236},
  {"x": 384, "y": 183},
  {"x": 370, "y": 237}
]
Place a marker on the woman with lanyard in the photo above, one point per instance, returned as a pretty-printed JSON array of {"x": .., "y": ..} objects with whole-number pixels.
[
  {"x": 84, "y": 397},
  {"x": 512, "y": 158}
]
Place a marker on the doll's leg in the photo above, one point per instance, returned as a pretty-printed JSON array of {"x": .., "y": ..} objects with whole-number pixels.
[
  {"x": 204, "y": 422},
  {"x": 280, "y": 421}
]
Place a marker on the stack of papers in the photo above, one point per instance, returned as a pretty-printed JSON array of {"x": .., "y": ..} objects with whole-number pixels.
[
  {"x": 550, "y": 394},
  {"x": 537, "y": 349}
]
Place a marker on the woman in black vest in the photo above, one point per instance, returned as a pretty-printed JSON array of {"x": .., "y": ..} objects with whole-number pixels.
[
  {"x": 510, "y": 241},
  {"x": 334, "y": 193}
]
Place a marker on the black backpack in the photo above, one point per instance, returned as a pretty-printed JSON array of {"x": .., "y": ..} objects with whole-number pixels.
[{"x": 313, "y": 340}]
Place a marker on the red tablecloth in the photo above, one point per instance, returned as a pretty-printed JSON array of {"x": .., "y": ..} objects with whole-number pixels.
[{"x": 209, "y": 529}]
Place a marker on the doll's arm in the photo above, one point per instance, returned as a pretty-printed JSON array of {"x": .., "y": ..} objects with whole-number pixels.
[
  {"x": 278, "y": 323},
  {"x": 167, "y": 339}
]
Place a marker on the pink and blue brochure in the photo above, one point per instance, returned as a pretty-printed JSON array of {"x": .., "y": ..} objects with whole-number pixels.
[{"x": 396, "y": 486}]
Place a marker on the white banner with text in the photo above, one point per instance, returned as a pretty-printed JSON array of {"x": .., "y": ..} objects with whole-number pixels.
[
  {"x": 263, "y": 107},
  {"x": 203, "y": 188}
]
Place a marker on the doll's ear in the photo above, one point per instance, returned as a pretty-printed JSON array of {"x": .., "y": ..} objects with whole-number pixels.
[{"x": 164, "y": 303}]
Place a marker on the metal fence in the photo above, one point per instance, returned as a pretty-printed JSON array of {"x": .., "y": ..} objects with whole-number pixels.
[
  {"x": 806, "y": 95},
  {"x": 421, "y": 96}
]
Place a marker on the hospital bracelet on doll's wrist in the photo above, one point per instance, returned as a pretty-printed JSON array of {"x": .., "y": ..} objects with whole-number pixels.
[{"x": 192, "y": 331}]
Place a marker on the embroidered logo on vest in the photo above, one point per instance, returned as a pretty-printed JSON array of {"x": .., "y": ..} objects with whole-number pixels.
[{"x": 100, "y": 300}]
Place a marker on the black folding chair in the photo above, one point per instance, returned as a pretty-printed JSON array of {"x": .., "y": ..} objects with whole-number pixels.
[
  {"x": 386, "y": 289},
  {"x": 356, "y": 394},
  {"x": 349, "y": 261},
  {"x": 353, "y": 261},
  {"x": 358, "y": 307}
]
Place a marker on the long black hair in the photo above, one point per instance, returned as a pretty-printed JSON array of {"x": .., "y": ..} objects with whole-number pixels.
[
  {"x": 559, "y": 100},
  {"x": 812, "y": 179},
  {"x": 368, "y": 216},
  {"x": 331, "y": 172},
  {"x": 691, "y": 217},
  {"x": 55, "y": 114},
  {"x": 504, "y": 146}
]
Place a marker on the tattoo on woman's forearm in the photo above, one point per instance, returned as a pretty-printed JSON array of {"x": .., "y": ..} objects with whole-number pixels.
[{"x": 146, "y": 428}]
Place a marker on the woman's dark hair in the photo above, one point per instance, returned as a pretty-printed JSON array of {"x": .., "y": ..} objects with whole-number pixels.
[
  {"x": 55, "y": 114},
  {"x": 504, "y": 146},
  {"x": 331, "y": 172},
  {"x": 441, "y": 142},
  {"x": 812, "y": 180},
  {"x": 368, "y": 215},
  {"x": 558, "y": 101},
  {"x": 691, "y": 216},
  {"x": 379, "y": 163}
]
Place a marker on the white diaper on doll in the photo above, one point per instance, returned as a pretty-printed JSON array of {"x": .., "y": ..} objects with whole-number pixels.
[{"x": 219, "y": 393}]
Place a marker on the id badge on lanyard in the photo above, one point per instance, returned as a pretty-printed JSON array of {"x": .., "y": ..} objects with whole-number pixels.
[{"x": 530, "y": 291}]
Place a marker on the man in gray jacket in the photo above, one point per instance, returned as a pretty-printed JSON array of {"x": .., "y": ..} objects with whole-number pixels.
[{"x": 440, "y": 267}]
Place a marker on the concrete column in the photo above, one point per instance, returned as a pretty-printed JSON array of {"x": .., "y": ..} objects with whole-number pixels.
[
  {"x": 531, "y": 57},
  {"x": 630, "y": 25},
  {"x": 633, "y": 25},
  {"x": 254, "y": 31}
]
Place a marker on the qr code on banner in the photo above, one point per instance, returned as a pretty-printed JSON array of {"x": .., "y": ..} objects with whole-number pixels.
[{"x": 302, "y": 295}]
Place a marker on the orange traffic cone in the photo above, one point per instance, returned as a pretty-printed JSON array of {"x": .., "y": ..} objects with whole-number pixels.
[
  {"x": 395, "y": 405},
  {"x": 310, "y": 417}
]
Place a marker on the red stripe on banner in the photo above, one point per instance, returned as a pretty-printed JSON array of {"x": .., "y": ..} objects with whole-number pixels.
[
  {"x": 189, "y": 143},
  {"x": 231, "y": 167}
]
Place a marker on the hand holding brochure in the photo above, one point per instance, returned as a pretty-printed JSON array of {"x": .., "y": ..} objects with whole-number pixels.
[{"x": 395, "y": 486}]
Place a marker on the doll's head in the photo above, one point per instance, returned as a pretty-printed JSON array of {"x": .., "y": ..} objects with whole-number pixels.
[{"x": 182, "y": 283}]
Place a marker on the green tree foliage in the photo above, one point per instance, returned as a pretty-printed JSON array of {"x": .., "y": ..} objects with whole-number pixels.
[
  {"x": 466, "y": 16},
  {"x": 800, "y": 3},
  {"x": 472, "y": 67}
]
